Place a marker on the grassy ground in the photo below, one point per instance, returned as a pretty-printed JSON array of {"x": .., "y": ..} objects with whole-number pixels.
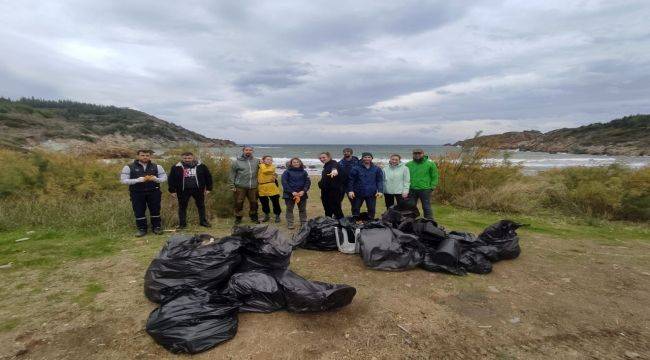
[{"x": 579, "y": 290}]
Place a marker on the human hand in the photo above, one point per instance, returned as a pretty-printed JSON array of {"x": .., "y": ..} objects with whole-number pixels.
[
  {"x": 173, "y": 195},
  {"x": 295, "y": 193},
  {"x": 378, "y": 194},
  {"x": 405, "y": 194},
  {"x": 333, "y": 173},
  {"x": 142, "y": 179},
  {"x": 301, "y": 193},
  {"x": 207, "y": 192},
  {"x": 351, "y": 194}
]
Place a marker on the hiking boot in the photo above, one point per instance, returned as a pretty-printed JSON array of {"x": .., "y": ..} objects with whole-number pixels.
[
  {"x": 237, "y": 220},
  {"x": 205, "y": 223},
  {"x": 265, "y": 218},
  {"x": 277, "y": 218},
  {"x": 181, "y": 226},
  {"x": 141, "y": 233},
  {"x": 290, "y": 226},
  {"x": 157, "y": 231}
]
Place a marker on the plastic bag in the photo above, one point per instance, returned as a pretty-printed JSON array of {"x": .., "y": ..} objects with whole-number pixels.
[
  {"x": 263, "y": 248},
  {"x": 257, "y": 291},
  {"x": 192, "y": 261},
  {"x": 445, "y": 258},
  {"x": 303, "y": 295},
  {"x": 318, "y": 234},
  {"x": 475, "y": 262},
  {"x": 389, "y": 249},
  {"x": 503, "y": 236},
  {"x": 428, "y": 232},
  {"x": 193, "y": 321},
  {"x": 398, "y": 213}
]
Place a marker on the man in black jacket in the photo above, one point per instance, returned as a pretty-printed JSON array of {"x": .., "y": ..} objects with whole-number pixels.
[
  {"x": 143, "y": 178},
  {"x": 190, "y": 179},
  {"x": 330, "y": 186}
]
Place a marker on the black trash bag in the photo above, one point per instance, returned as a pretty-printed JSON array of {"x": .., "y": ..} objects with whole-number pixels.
[
  {"x": 318, "y": 234},
  {"x": 257, "y": 291},
  {"x": 263, "y": 248},
  {"x": 303, "y": 295},
  {"x": 193, "y": 321},
  {"x": 398, "y": 213},
  {"x": 503, "y": 236},
  {"x": 467, "y": 241},
  {"x": 428, "y": 232},
  {"x": 445, "y": 258},
  {"x": 193, "y": 261},
  {"x": 475, "y": 262},
  {"x": 389, "y": 249}
]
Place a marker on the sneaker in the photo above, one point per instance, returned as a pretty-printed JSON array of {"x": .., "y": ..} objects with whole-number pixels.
[
  {"x": 141, "y": 233},
  {"x": 290, "y": 227},
  {"x": 265, "y": 218},
  {"x": 277, "y": 218},
  {"x": 158, "y": 231},
  {"x": 237, "y": 220},
  {"x": 205, "y": 223}
]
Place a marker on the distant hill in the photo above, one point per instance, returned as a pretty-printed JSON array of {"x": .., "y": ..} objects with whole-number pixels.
[
  {"x": 629, "y": 135},
  {"x": 30, "y": 122}
]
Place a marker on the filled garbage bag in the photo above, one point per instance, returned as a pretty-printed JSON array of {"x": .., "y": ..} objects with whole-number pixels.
[
  {"x": 263, "y": 248},
  {"x": 318, "y": 234},
  {"x": 257, "y": 291},
  {"x": 445, "y": 258},
  {"x": 398, "y": 213},
  {"x": 303, "y": 295},
  {"x": 389, "y": 249},
  {"x": 475, "y": 262},
  {"x": 428, "y": 232},
  {"x": 503, "y": 237},
  {"x": 193, "y": 321},
  {"x": 199, "y": 261}
]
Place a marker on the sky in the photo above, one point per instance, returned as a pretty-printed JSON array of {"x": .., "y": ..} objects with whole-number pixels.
[{"x": 339, "y": 72}]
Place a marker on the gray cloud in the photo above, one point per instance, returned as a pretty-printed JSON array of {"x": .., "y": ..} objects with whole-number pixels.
[{"x": 327, "y": 71}]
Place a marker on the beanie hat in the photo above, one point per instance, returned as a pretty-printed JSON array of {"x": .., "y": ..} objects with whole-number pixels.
[{"x": 367, "y": 154}]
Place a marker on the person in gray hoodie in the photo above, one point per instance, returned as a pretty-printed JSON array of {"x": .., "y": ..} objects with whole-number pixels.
[{"x": 243, "y": 182}]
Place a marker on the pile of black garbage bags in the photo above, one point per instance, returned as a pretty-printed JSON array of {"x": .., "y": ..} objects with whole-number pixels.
[
  {"x": 401, "y": 241},
  {"x": 202, "y": 283}
]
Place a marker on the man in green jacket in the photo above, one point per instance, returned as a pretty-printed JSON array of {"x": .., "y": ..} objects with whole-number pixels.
[
  {"x": 243, "y": 181},
  {"x": 424, "y": 178}
]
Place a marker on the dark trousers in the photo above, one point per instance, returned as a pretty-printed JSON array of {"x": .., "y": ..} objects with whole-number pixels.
[
  {"x": 302, "y": 211},
  {"x": 241, "y": 194},
  {"x": 371, "y": 204},
  {"x": 331, "y": 199},
  {"x": 392, "y": 199},
  {"x": 184, "y": 200},
  {"x": 425, "y": 198},
  {"x": 275, "y": 200},
  {"x": 344, "y": 195},
  {"x": 140, "y": 202}
]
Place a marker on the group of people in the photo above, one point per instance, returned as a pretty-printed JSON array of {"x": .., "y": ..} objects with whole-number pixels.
[{"x": 252, "y": 179}]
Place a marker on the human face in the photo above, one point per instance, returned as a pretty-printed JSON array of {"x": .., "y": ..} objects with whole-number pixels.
[
  {"x": 347, "y": 154},
  {"x": 248, "y": 152},
  {"x": 188, "y": 158},
  {"x": 295, "y": 163},
  {"x": 417, "y": 155},
  {"x": 394, "y": 160},
  {"x": 367, "y": 160},
  {"x": 144, "y": 157},
  {"x": 268, "y": 160},
  {"x": 323, "y": 158}
]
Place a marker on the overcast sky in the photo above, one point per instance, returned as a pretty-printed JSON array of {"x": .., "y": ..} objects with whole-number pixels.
[{"x": 402, "y": 72}]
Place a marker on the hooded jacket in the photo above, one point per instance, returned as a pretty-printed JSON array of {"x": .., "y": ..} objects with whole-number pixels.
[
  {"x": 397, "y": 179},
  {"x": 295, "y": 180},
  {"x": 424, "y": 174},
  {"x": 243, "y": 172},
  {"x": 267, "y": 180},
  {"x": 177, "y": 182},
  {"x": 366, "y": 181}
]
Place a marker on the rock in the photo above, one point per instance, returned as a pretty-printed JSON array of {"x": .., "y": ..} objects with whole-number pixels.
[
  {"x": 6, "y": 266},
  {"x": 22, "y": 239},
  {"x": 632, "y": 354},
  {"x": 493, "y": 289},
  {"x": 515, "y": 320}
]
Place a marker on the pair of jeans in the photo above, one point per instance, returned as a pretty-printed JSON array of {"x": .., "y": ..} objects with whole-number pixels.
[
  {"x": 371, "y": 204},
  {"x": 241, "y": 194},
  {"x": 184, "y": 200},
  {"x": 425, "y": 198},
  {"x": 331, "y": 199},
  {"x": 143, "y": 200},
  {"x": 302, "y": 211},
  {"x": 392, "y": 199},
  {"x": 275, "y": 200}
]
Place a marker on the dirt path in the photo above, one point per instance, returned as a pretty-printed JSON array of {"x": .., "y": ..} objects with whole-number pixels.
[{"x": 577, "y": 300}]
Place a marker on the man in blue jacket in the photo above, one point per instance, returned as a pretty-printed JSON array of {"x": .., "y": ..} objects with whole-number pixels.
[{"x": 365, "y": 184}]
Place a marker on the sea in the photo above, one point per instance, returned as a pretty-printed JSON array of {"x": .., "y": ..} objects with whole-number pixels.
[{"x": 531, "y": 162}]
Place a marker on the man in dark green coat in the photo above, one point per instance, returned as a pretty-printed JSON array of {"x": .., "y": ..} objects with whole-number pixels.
[{"x": 424, "y": 178}]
